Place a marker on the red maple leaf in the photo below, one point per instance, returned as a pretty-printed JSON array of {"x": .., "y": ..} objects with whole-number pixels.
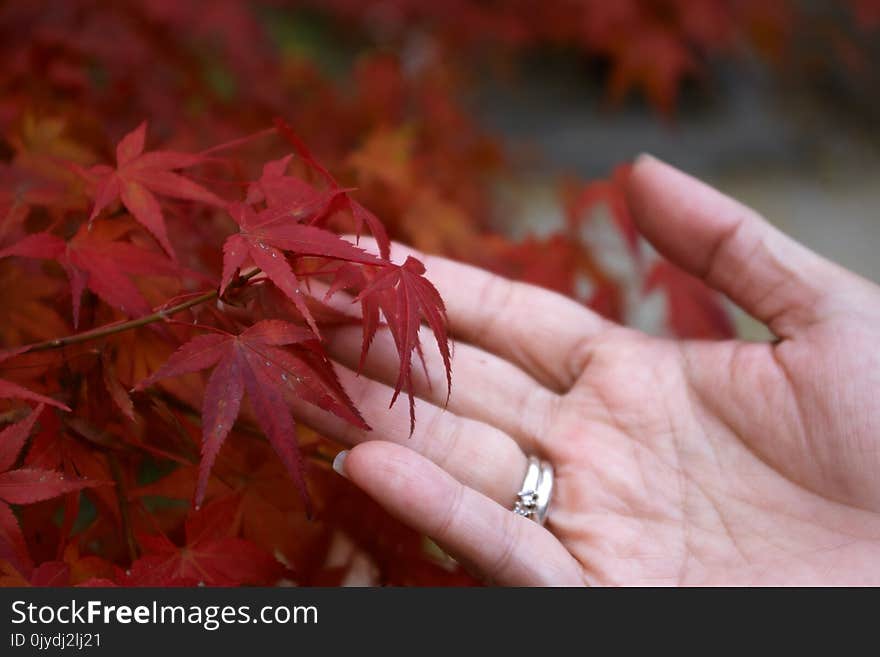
[
  {"x": 289, "y": 195},
  {"x": 341, "y": 199},
  {"x": 56, "y": 447},
  {"x": 51, "y": 573},
  {"x": 95, "y": 259},
  {"x": 254, "y": 361},
  {"x": 25, "y": 485},
  {"x": 139, "y": 176},
  {"x": 212, "y": 554},
  {"x": 405, "y": 297},
  {"x": 20, "y": 188},
  {"x": 266, "y": 235},
  {"x": 58, "y": 573},
  {"x": 608, "y": 192},
  {"x": 10, "y": 390}
]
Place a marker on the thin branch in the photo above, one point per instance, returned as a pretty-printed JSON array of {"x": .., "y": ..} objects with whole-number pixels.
[{"x": 111, "y": 329}]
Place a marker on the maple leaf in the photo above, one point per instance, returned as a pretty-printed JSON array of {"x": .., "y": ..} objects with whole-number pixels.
[
  {"x": 51, "y": 573},
  {"x": 65, "y": 573},
  {"x": 10, "y": 390},
  {"x": 289, "y": 195},
  {"x": 253, "y": 361},
  {"x": 28, "y": 298},
  {"x": 342, "y": 200},
  {"x": 87, "y": 570},
  {"x": 266, "y": 235},
  {"x": 386, "y": 157},
  {"x": 42, "y": 146},
  {"x": 268, "y": 302},
  {"x": 405, "y": 297},
  {"x": 96, "y": 260},
  {"x": 20, "y": 188},
  {"x": 48, "y": 573},
  {"x": 270, "y": 516},
  {"x": 212, "y": 555},
  {"x": 25, "y": 485},
  {"x": 56, "y": 447},
  {"x": 139, "y": 176}
]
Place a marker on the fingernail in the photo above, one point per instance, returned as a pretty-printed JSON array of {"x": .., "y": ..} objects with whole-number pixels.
[
  {"x": 339, "y": 463},
  {"x": 645, "y": 157}
]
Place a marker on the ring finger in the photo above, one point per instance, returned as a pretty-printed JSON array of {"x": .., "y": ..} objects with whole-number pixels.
[{"x": 478, "y": 455}]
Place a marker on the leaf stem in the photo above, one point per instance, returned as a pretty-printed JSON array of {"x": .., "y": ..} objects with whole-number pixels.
[
  {"x": 111, "y": 329},
  {"x": 122, "y": 499}
]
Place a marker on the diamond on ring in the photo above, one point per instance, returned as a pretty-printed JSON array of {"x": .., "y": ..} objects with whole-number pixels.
[{"x": 533, "y": 498}]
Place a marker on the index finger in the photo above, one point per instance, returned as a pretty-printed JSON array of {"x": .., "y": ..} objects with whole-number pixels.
[{"x": 506, "y": 548}]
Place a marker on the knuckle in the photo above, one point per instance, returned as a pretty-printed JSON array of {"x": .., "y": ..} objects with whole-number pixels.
[
  {"x": 497, "y": 295},
  {"x": 438, "y": 439},
  {"x": 448, "y": 445},
  {"x": 447, "y": 520},
  {"x": 539, "y": 411},
  {"x": 718, "y": 258},
  {"x": 510, "y": 537}
]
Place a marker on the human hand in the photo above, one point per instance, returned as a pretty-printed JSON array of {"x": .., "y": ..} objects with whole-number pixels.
[{"x": 677, "y": 462}]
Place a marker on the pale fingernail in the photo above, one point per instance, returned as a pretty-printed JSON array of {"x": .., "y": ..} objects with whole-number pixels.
[{"x": 339, "y": 463}]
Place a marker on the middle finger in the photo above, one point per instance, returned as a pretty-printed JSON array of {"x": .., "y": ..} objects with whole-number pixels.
[{"x": 485, "y": 387}]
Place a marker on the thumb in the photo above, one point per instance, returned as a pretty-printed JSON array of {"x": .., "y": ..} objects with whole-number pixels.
[{"x": 733, "y": 249}]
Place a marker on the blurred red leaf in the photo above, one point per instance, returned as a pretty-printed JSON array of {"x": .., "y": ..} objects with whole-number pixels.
[
  {"x": 10, "y": 390},
  {"x": 694, "y": 310},
  {"x": 265, "y": 236},
  {"x": 96, "y": 260},
  {"x": 138, "y": 176},
  {"x": 361, "y": 215},
  {"x": 25, "y": 486},
  {"x": 211, "y": 555}
]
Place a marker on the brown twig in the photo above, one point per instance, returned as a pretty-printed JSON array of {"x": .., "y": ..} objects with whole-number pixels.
[{"x": 111, "y": 329}]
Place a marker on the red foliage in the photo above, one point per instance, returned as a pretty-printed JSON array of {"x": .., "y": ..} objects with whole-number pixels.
[
  {"x": 211, "y": 555},
  {"x": 648, "y": 46},
  {"x": 201, "y": 254},
  {"x": 253, "y": 361},
  {"x": 273, "y": 360},
  {"x": 25, "y": 485},
  {"x": 139, "y": 176}
]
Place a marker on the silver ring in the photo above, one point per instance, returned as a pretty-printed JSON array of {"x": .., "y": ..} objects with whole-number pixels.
[{"x": 533, "y": 498}]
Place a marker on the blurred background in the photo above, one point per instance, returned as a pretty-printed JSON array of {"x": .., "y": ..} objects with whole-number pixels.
[
  {"x": 802, "y": 151},
  {"x": 496, "y": 132},
  {"x": 774, "y": 103},
  {"x": 792, "y": 132}
]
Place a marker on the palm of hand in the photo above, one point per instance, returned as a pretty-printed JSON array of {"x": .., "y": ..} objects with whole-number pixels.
[{"x": 715, "y": 463}]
